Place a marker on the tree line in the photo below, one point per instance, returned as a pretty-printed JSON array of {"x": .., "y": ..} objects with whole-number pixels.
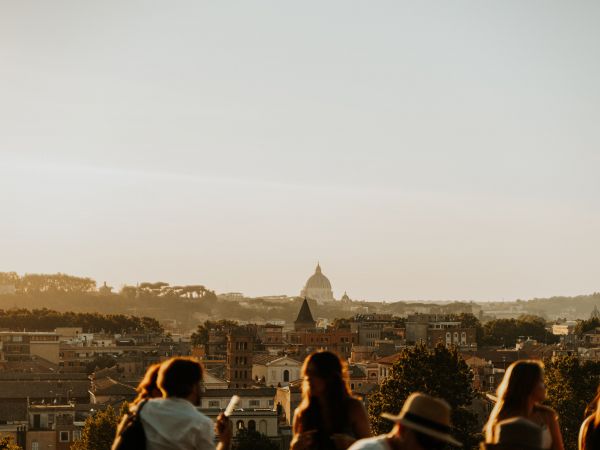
[{"x": 47, "y": 320}]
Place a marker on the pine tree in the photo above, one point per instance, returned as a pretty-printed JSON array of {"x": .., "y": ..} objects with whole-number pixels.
[{"x": 440, "y": 372}]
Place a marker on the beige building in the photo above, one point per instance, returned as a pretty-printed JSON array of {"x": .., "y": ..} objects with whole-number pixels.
[
  {"x": 51, "y": 427},
  {"x": 250, "y": 398},
  {"x": 22, "y": 346},
  {"x": 275, "y": 370}
]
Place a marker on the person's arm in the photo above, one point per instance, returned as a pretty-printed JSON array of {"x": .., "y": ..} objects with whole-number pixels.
[
  {"x": 225, "y": 432},
  {"x": 360, "y": 420},
  {"x": 557, "y": 440}
]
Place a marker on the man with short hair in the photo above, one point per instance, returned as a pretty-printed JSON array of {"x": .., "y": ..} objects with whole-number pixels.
[
  {"x": 423, "y": 424},
  {"x": 174, "y": 422}
]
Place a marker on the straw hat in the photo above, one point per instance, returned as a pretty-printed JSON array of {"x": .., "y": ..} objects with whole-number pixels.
[{"x": 427, "y": 415}]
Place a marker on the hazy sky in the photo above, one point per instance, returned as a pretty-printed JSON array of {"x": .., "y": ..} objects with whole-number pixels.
[{"x": 418, "y": 150}]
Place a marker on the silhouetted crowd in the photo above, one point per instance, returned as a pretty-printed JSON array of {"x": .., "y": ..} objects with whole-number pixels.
[{"x": 165, "y": 416}]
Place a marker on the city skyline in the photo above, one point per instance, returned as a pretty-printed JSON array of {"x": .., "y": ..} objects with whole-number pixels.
[{"x": 418, "y": 151}]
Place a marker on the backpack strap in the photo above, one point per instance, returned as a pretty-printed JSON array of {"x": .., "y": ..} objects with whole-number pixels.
[{"x": 135, "y": 414}]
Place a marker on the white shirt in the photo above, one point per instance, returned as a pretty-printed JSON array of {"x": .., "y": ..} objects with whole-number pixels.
[
  {"x": 174, "y": 423},
  {"x": 373, "y": 443}
]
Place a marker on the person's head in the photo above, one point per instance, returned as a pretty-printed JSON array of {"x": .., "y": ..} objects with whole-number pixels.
[
  {"x": 324, "y": 374},
  {"x": 148, "y": 387},
  {"x": 181, "y": 377},
  {"x": 325, "y": 382},
  {"x": 522, "y": 385},
  {"x": 423, "y": 423}
]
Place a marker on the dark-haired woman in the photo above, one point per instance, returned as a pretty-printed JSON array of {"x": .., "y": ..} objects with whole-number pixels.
[
  {"x": 329, "y": 417},
  {"x": 520, "y": 395},
  {"x": 589, "y": 433}
]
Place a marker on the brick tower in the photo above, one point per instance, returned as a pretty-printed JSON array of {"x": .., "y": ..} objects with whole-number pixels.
[{"x": 240, "y": 346}]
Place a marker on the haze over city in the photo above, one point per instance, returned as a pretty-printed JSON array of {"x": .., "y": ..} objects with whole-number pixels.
[{"x": 417, "y": 151}]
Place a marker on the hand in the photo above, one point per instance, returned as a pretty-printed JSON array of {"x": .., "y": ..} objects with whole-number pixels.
[
  {"x": 342, "y": 441},
  {"x": 224, "y": 429},
  {"x": 303, "y": 441}
]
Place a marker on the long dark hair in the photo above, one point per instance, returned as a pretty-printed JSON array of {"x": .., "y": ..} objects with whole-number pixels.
[
  {"x": 328, "y": 367},
  {"x": 518, "y": 383},
  {"x": 148, "y": 387}
]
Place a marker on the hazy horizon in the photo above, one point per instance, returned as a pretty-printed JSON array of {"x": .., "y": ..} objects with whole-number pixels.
[{"x": 418, "y": 151}]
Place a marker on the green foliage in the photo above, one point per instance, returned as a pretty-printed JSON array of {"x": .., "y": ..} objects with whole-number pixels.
[
  {"x": 123, "y": 409},
  {"x": 6, "y": 443},
  {"x": 98, "y": 432},
  {"x": 469, "y": 320},
  {"x": 507, "y": 331},
  {"x": 200, "y": 336},
  {"x": 161, "y": 289},
  {"x": 253, "y": 440},
  {"x": 586, "y": 325},
  {"x": 571, "y": 385},
  {"x": 38, "y": 283},
  {"x": 440, "y": 372},
  {"x": 47, "y": 320}
]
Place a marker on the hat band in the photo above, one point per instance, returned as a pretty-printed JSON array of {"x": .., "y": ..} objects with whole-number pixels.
[{"x": 427, "y": 423}]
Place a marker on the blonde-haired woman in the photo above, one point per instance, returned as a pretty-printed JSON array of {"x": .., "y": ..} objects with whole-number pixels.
[
  {"x": 520, "y": 395},
  {"x": 589, "y": 434}
]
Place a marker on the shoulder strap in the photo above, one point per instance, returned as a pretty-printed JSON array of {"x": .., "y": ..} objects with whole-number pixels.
[{"x": 139, "y": 407}]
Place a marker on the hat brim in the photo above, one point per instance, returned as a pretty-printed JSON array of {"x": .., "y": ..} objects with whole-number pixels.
[{"x": 445, "y": 437}]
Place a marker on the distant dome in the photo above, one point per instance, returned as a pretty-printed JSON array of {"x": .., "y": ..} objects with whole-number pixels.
[
  {"x": 318, "y": 280},
  {"x": 318, "y": 287}
]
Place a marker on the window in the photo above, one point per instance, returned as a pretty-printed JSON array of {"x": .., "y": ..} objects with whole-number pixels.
[
  {"x": 286, "y": 375},
  {"x": 251, "y": 425},
  {"x": 76, "y": 435},
  {"x": 214, "y": 404},
  {"x": 271, "y": 402},
  {"x": 240, "y": 425},
  {"x": 64, "y": 436},
  {"x": 254, "y": 402},
  {"x": 35, "y": 445}
]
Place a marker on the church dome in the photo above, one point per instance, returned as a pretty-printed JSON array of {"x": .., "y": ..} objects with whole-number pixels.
[{"x": 318, "y": 280}]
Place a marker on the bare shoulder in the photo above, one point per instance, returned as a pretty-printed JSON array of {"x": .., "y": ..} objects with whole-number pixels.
[{"x": 546, "y": 412}]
